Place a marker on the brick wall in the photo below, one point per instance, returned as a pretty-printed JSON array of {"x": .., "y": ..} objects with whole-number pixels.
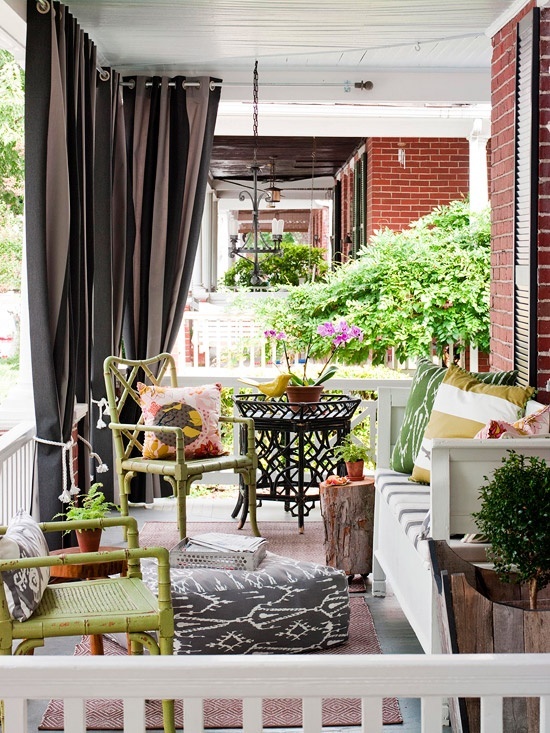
[
  {"x": 502, "y": 193},
  {"x": 436, "y": 171}
]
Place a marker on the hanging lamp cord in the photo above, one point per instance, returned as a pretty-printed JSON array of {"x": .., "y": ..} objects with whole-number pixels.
[
  {"x": 311, "y": 218},
  {"x": 255, "y": 111}
]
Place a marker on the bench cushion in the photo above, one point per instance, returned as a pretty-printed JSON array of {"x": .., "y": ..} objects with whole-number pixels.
[
  {"x": 409, "y": 502},
  {"x": 462, "y": 406}
]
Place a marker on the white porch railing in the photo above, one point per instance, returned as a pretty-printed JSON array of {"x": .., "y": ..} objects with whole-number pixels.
[
  {"x": 234, "y": 340},
  {"x": 17, "y": 447},
  {"x": 17, "y": 451},
  {"x": 254, "y": 678}
]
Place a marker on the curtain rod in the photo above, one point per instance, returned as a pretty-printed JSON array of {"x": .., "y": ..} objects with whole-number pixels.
[
  {"x": 185, "y": 84},
  {"x": 364, "y": 85}
]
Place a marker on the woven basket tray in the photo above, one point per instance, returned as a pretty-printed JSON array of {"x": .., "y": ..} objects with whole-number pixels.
[{"x": 181, "y": 557}]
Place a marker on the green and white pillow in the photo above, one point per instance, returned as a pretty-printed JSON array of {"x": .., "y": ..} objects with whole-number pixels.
[
  {"x": 419, "y": 406},
  {"x": 24, "y": 588},
  {"x": 462, "y": 406}
]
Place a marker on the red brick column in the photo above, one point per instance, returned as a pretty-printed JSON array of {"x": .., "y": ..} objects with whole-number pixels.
[{"x": 503, "y": 85}]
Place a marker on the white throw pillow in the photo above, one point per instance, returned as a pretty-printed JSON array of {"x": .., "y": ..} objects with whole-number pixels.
[{"x": 24, "y": 588}]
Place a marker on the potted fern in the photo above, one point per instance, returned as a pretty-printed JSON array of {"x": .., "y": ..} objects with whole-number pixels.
[
  {"x": 354, "y": 456},
  {"x": 92, "y": 505}
]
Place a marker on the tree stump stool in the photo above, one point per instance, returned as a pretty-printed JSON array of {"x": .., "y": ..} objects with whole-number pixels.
[{"x": 348, "y": 516}]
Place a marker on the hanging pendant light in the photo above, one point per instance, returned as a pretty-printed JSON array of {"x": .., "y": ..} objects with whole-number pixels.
[
  {"x": 274, "y": 196},
  {"x": 255, "y": 242}
]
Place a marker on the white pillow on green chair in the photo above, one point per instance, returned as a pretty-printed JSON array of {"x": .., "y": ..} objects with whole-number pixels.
[{"x": 24, "y": 588}]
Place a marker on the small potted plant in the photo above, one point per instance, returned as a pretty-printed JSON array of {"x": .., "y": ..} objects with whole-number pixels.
[
  {"x": 92, "y": 505},
  {"x": 354, "y": 456},
  {"x": 515, "y": 519}
]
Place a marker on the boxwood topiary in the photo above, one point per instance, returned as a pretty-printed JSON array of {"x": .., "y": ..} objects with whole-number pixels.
[{"x": 515, "y": 518}]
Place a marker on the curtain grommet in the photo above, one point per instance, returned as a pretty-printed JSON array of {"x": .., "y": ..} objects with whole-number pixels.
[{"x": 43, "y": 6}]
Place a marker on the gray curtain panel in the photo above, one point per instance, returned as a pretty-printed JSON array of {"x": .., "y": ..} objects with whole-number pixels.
[
  {"x": 60, "y": 127},
  {"x": 76, "y": 153},
  {"x": 169, "y": 131},
  {"x": 108, "y": 260},
  {"x": 115, "y": 190}
]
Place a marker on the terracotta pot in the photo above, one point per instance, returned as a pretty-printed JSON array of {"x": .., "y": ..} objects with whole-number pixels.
[
  {"x": 89, "y": 539},
  {"x": 355, "y": 470},
  {"x": 307, "y": 393}
]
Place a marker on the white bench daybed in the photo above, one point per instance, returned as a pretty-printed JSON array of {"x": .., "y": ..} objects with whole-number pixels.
[{"x": 458, "y": 470}]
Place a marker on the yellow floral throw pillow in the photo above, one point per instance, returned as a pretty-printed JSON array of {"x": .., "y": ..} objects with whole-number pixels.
[{"x": 194, "y": 409}]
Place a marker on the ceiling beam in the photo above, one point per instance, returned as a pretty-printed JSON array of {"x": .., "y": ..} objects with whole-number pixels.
[
  {"x": 416, "y": 86},
  {"x": 351, "y": 121}
]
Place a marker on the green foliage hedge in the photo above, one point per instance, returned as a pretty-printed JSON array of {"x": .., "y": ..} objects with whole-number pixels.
[
  {"x": 11, "y": 171},
  {"x": 295, "y": 261},
  {"x": 405, "y": 289}
]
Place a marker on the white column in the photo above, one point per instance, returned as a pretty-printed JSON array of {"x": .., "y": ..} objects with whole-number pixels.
[
  {"x": 213, "y": 244},
  {"x": 479, "y": 192},
  {"x": 199, "y": 277}
]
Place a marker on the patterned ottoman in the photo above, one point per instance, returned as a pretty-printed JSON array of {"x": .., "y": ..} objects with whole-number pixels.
[{"x": 285, "y": 606}]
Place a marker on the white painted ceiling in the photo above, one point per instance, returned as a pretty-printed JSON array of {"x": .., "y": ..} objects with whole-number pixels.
[
  {"x": 428, "y": 60},
  {"x": 222, "y": 35},
  {"x": 312, "y": 52}
]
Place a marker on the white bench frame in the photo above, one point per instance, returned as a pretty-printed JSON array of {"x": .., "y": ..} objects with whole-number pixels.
[{"x": 459, "y": 467}]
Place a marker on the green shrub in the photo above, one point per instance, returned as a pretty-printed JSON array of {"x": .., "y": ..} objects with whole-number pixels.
[
  {"x": 515, "y": 519},
  {"x": 11, "y": 254},
  {"x": 11, "y": 171},
  {"x": 406, "y": 290},
  {"x": 296, "y": 261}
]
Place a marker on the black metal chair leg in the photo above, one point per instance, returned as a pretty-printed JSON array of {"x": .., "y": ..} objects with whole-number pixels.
[
  {"x": 244, "y": 512},
  {"x": 240, "y": 499}
]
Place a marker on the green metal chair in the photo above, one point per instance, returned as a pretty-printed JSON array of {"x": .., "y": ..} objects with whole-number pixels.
[
  {"x": 121, "y": 378},
  {"x": 94, "y": 607}
]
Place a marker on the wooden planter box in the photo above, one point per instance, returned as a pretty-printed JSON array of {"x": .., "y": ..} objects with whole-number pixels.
[{"x": 479, "y": 614}]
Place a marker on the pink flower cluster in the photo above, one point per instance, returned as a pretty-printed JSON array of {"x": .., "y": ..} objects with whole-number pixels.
[{"x": 341, "y": 332}]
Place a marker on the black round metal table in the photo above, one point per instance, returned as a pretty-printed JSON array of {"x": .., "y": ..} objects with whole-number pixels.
[{"x": 294, "y": 442}]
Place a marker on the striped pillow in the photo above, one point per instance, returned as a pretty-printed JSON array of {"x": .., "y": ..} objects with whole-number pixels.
[
  {"x": 462, "y": 406},
  {"x": 426, "y": 381}
]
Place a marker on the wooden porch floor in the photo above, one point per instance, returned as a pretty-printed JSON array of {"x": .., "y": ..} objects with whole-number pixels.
[{"x": 394, "y": 632}]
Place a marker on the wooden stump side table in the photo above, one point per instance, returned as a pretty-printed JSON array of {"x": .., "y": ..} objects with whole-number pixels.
[{"x": 348, "y": 516}]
